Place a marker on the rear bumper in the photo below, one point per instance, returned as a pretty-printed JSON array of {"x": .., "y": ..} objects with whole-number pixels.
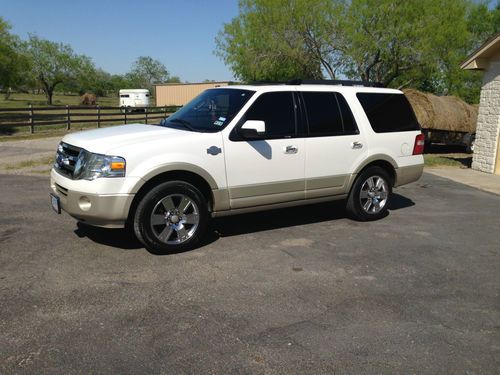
[
  {"x": 103, "y": 210},
  {"x": 405, "y": 175}
]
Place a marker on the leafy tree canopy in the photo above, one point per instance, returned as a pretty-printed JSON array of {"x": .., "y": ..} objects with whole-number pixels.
[
  {"x": 399, "y": 43},
  {"x": 147, "y": 71},
  {"x": 13, "y": 63},
  {"x": 55, "y": 63}
]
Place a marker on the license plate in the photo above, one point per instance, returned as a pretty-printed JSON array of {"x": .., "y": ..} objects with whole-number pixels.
[{"x": 56, "y": 203}]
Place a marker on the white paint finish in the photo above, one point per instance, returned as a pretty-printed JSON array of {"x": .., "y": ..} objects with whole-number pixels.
[
  {"x": 335, "y": 155},
  {"x": 101, "y": 186},
  {"x": 263, "y": 161},
  {"x": 103, "y": 140},
  {"x": 147, "y": 148},
  {"x": 258, "y": 126}
]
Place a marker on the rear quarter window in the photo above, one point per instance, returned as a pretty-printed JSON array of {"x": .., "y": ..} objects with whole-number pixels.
[{"x": 388, "y": 112}]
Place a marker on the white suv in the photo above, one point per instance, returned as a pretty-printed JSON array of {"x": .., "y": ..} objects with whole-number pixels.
[{"x": 239, "y": 149}]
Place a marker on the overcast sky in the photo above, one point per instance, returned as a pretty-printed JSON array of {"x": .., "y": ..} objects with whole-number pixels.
[{"x": 115, "y": 32}]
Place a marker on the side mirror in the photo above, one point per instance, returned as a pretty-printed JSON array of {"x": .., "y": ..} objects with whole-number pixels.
[{"x": 252, "y": 129}]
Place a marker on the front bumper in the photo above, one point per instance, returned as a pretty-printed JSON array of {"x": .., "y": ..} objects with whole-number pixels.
[{"x": 103, "y": 210}]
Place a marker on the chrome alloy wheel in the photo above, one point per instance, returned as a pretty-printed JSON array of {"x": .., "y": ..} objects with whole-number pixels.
[
  {"x": 174, "y": 219},
  {"x": 374, "y": 194}
]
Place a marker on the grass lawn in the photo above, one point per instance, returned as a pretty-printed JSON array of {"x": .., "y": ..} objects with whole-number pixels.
[
  {"x": 21, "y": 100},
  {"x": 451, "y": 160}
]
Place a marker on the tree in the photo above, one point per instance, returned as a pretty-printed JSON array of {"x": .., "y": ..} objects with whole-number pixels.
[
  {"x": 265, "y": 43},
  {"x": 13, "y": 63},
  {"x": 146, "y": 71},
  {"x": 396, "y": 42},
  {"x": 54, "y": 63},
  {"x": 173, "y": 79}
]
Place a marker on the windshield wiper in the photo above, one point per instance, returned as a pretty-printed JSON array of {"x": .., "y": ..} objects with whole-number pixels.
[{"x": 186, "y": 123}]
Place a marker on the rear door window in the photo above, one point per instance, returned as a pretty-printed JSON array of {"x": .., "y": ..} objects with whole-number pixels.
[
  {"x": 328, "y": 114},
  {"x": 388, "y": 112}
]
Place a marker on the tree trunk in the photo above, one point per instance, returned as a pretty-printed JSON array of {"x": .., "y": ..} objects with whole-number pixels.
[
  {"x": 49, "y": 92},
  {"x": 7, "y": 93}
]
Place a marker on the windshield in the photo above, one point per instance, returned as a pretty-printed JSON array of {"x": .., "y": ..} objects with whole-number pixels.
[{"x": 210, "y": 111}]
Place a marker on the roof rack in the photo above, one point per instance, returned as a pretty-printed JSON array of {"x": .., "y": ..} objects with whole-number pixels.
[
  {"x": 333, "y": 82},
  {"x": 336, "y": 82}
]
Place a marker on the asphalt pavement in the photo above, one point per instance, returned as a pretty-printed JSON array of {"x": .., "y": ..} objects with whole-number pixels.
[{"x": 295, "y": 291}]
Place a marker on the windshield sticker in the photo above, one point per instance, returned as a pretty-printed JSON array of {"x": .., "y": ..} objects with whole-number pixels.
[
  {"x": 222, "y": 119},
  {"x": 218, "y": 123}
]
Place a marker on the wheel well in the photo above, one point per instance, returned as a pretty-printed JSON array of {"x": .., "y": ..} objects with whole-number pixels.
[
  {"x": 384, "y": 165},
  {"x": 190, "y": 177}
]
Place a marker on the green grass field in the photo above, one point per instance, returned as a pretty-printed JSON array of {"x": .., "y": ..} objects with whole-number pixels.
[{"x": 22, "y": 100}]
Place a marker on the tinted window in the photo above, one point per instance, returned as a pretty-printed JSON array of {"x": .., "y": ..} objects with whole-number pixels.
[
  {"x": 328, "y": 114},
  {"x": 124, "y": 96},
  {"x": 388, "y": 112},
  {"x": 277, "y": 110},
  {"x": 348, "y": 121}
]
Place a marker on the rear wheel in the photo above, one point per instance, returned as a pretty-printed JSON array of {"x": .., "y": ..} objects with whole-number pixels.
[
  {"x": 171, "y": 217},
  {"x": 369, "y": 196}
]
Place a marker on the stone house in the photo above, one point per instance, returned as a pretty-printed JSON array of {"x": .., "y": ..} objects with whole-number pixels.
[{"x": 486, "y": 156}]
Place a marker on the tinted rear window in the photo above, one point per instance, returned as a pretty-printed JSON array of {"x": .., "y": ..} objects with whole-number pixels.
[
  {"x": 388, "y": 112},
  {"x": 328, "y": 114}
]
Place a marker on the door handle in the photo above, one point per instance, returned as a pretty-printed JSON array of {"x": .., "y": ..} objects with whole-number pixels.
[
  {"x": 291, "y": 150},
  {"x": 356, "y": 145}
]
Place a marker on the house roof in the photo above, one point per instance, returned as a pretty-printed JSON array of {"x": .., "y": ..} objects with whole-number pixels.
[{"x": 480, "y": 58}]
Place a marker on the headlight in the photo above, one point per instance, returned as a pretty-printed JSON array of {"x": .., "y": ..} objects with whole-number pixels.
[{"x": 90, "y": 166}]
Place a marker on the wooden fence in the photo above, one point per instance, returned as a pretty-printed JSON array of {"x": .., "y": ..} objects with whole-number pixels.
[{"x": 72, "y": 115}]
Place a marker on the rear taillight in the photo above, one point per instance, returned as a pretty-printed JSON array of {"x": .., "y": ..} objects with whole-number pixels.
[{"x": 418, "y": 149}]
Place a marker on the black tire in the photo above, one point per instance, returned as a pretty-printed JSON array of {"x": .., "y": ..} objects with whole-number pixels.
[
  {"x": 151, "y": 209},
  {"x": 470, "y": 144},
  {"x": 354, "y": 207}
]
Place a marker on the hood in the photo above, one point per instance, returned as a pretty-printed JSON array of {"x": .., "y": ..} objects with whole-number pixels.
[{"x": 102, "y": 140}]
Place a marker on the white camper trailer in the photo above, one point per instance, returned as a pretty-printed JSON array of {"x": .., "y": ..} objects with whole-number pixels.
[{"x": 137, "y": 98}]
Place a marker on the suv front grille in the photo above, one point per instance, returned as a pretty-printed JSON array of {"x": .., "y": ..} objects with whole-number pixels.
[{"x": 66, "y": 158}]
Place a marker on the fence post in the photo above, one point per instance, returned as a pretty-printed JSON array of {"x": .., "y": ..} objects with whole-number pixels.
[
  {"x": 32, "y": 119},
  {"x": 146, "y": 113},
  {"x": 98, "y": 116},
  {"x": 68, "y": 118}
]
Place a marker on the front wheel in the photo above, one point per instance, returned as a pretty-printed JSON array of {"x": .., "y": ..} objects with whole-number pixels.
[
  {"x": 369, "y": 196},
  {"x": 172, "y": 217}
]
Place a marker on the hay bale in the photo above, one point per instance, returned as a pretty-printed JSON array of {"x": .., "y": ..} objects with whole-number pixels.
[
  {"x": 446, "y": 113},
  {"x": 88, "y": 99}
]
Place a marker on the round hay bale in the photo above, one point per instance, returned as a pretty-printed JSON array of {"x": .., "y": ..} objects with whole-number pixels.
[
  {"x": 88, "y": 99},
  {"x": 446, "y": 113}
]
